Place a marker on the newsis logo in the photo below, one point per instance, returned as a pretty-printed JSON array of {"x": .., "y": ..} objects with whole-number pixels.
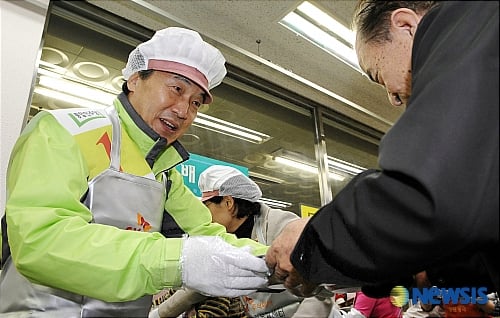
[{"x": 435, "y": 296}]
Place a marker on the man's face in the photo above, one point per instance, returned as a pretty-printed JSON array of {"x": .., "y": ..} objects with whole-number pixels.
[
  {"x": 388, "y": 64},
  {"x": 167, "y": 102}
]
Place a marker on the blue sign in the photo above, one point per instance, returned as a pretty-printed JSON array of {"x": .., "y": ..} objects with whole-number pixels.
[{"x": 192, "y": 168}]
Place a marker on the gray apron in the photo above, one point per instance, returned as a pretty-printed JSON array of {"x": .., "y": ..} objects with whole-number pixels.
[{"x": 115, "y": 198}]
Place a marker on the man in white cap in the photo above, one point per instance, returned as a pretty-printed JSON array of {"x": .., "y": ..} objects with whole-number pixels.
[{"x": 98, "y": 229}]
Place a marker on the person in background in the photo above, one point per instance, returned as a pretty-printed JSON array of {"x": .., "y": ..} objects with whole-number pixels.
[
  {"x": 376, "y": 307},
  {"x": 233, "y": 199},
  {"x": 96, "y": 212},
  {"x": 438, "y": 179}
]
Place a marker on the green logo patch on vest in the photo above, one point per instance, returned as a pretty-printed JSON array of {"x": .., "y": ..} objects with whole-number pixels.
[{"x": 82, "y": 117}]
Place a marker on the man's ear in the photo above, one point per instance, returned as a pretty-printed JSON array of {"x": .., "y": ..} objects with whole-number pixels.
[
  {"x": 132, "y": 81},
  {"x": 406, "y": 20}
]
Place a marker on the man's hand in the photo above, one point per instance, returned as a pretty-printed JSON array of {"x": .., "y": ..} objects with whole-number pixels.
[
  {"x": 278, "y": 256},
  {"x": 216, "y": 268}
]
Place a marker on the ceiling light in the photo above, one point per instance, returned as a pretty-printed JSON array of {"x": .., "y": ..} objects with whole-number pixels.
[
  {"x": 324, "y": 31},
  {"x": 52, "y": 83},
  {"x": 305, "y": 166},
  {"x": 301, "y": 162},
  {"x": 69, "y": 87},
  {"x": 230, "y": 129},
  {"x": 77, "y": 101},
  {"x": 344, "y": 166},
  {"x": 49, "y": 68},
  {"x": 260, "y": 176},
  {"x": 322, "y": 18},
  {"x": 296, "y": 164}
]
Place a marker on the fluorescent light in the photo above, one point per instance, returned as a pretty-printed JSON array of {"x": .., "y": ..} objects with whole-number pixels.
[
  {"x": 53, "y": 84},
  {"x": 276, "y": 203},
  {"x": 296, "y": 164},
  {"x": 337, "y": 167},
  {"x": 322, "y": 18},
  {"x": 344, "y": 166},
  {"x": 230, "y": 129},
  {"x": 308, "y": 167},
  {"x": 54, "y": 69},
  {"x": 69, "y": 87},
  {"x": 324, "y": 31},
  {"x": 264, "y": 177},
  {"x": 77, "y": 101}
]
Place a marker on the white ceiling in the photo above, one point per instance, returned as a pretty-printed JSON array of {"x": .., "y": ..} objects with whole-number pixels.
[{"x": 282, "y": 57}]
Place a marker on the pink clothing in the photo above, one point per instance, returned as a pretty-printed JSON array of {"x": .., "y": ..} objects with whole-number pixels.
[{"x": 376, "y": 307}]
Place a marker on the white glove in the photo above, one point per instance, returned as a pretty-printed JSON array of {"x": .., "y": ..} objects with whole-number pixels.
[{"x": 216, "y": 268}]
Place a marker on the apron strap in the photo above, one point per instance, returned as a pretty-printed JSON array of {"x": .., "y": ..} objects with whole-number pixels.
[
  {"x": 258, "y": 228},
  {"x": 115, "y": 138}
]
